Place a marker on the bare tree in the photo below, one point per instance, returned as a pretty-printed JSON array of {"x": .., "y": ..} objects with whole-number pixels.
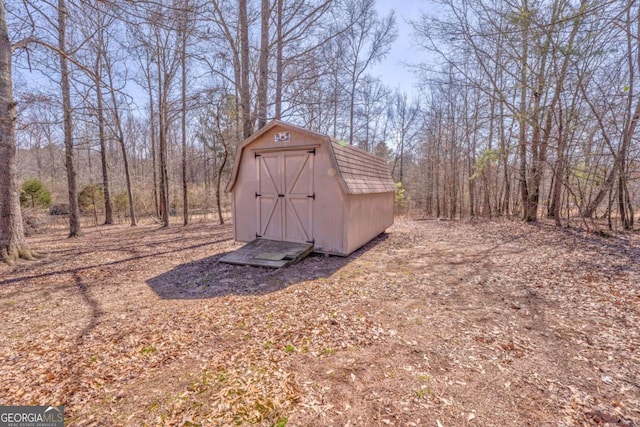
[
  {"x": 108, "y": 207},
  {"x": 117, "y": 124},
  {"x": 184, "y": 33},
  {"x": 74, "y": 209},
  {"x": 367, "y": 40},
  {"x": 263, "y": 64},
  {"x": 98, "y": 26},
  {"x": 218, "y": 135},
  {"x": 303, "y": 29},
  {"x": 158, "y": 35},
  {"x": 404, "y": 120},
  {"x": 245, "y": 90},
  {"x": 12, "y": 242},
  {"x": 630, "y": 117}
]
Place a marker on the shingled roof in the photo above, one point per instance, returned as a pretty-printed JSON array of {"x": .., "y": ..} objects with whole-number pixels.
[{"x": 361, "y": 171}]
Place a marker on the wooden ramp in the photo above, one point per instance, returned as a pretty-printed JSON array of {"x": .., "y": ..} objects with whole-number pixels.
[{"x": 268, "y": 253}]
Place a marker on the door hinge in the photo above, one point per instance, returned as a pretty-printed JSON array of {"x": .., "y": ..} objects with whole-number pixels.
[
  {"x": 312, "y": 196},
  {"x": 258, "y": 194},
  {"x": 256, "y": 155},
  {"x": 258, "y": 236},
  {"x": 312, "y": 241},
  {"x": 312, "y": 151}
]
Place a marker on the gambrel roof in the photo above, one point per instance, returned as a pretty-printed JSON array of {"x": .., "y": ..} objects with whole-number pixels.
[
  {"x": 361, "y": 171},
  {"x": 358, "y": 171}
]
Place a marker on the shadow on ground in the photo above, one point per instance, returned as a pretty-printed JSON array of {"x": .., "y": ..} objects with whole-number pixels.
[{"x": 209, "y": 278}]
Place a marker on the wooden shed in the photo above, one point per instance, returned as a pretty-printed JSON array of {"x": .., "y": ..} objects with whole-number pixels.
[{"x": 294, "y": 185}]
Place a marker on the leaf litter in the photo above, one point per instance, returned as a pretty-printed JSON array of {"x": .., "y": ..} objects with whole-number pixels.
[{"x": 433, "y": 323}]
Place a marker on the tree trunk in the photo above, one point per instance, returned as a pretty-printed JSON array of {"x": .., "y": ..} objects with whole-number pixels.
[
  {"x": 183, "y": 128},
  {"x": 153, "y": 134},
  {"x": 13, "y": 244},
  {"x": 541, "y": 134},
  {"x": 263, "y": 64},
  {"x": 522, "y": 119},
  {"x": 556, "y": 200},
  {"x": 219, "y": 183},
  {"x": 127, "y": 174},
  {"x": 108, "y": 209},
  {"x": 154, "y": 156},
  {"x": 123, "y": 148},
  {"x": 629, "y": 207},
  {"x": 352, "y": 109},
  {"x": 74, "y": 210},
  {"x": 279, "y": 61},
  {"x": 162, "y": 147},
  {"x": 622, "y": 209},
  {"x": 505, "y": 209},
  {"x": 245, "y": 93}
]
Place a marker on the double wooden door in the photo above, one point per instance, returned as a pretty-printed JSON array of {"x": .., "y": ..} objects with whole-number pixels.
[{"x": 285, "y": 195}]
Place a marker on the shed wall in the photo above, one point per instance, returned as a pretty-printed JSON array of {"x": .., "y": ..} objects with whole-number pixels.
[
  {"x": 328, "y": 219},
  {"x": 245, "y": 226},
  {"x": 366, "y": 216}
]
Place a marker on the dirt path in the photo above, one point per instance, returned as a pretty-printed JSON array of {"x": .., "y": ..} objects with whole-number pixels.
[{"x": 435, "y": 323}]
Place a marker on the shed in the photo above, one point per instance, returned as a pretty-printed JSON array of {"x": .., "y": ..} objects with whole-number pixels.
[{"x": 295, "y": 185}]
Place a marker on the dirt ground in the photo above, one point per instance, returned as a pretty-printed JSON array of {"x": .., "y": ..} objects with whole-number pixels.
[{"x": 434, "y": 323}]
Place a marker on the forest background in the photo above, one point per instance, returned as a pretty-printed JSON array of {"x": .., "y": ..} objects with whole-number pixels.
[{"x": 522, "y": 109}]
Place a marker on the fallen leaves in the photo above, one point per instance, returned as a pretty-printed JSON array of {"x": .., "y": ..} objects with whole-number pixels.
[
  {"x": 438, "y": 323},
  {"x": 600, "y": 417}
]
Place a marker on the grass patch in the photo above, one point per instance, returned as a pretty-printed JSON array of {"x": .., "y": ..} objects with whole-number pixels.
[{"x": 148, "y": 349}]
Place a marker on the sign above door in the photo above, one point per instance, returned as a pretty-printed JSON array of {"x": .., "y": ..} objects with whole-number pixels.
[{"x": 282, "y": 136}]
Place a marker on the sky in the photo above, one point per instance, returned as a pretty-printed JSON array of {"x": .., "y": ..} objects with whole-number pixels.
[{"x": 392, "y": 70}]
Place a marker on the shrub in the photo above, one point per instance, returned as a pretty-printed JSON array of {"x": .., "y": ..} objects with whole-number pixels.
[{"x": 34, "y": 194}]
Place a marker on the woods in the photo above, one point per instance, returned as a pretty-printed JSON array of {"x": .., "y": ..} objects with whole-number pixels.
[
  {"x": 524, "y": 109},
  {"x": 538, "y": 99}
]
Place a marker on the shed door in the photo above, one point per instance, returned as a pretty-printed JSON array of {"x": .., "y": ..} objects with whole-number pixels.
[{"x": 285, "y": 195}]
